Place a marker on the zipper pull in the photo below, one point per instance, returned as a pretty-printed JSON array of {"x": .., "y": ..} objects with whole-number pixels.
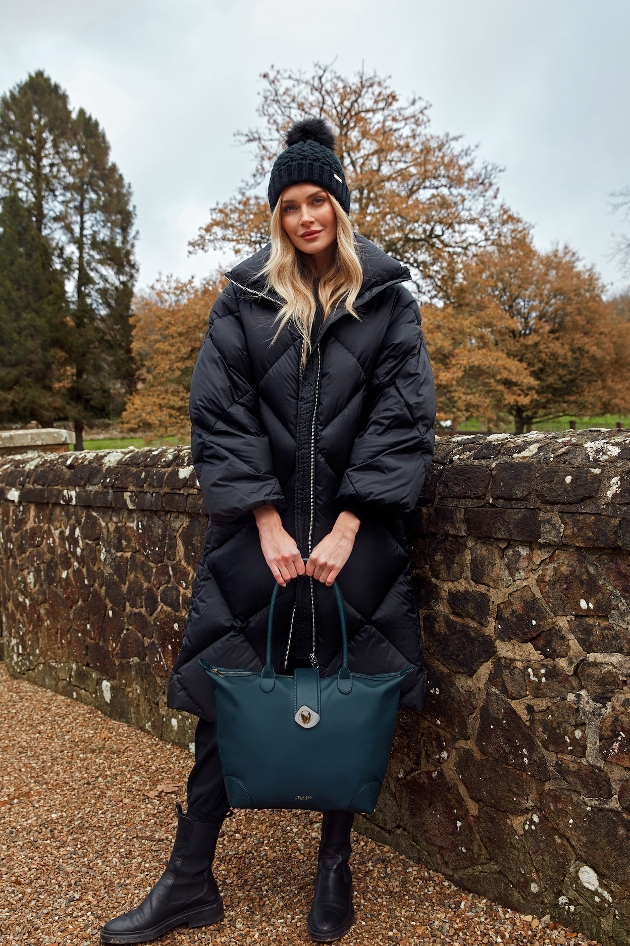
[{"x": 218, "y": 672}]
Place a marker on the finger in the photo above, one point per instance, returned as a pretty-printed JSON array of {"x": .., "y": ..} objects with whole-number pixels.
[
  {"x": 320, "y": 567},
  {"x": 291, "y": 568},
  {"x": 309, "y": 568},
  {"x": 325, "y": 573},
  {"x": 277, "y": 574},
  {"x": 284, "y": 571},
  {"x": 332, "y": 575},
  {"x": 299, "y": 565}
]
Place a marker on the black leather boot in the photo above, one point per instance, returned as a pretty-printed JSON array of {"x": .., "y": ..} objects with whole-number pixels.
[
  {"x": 332, "y": 913},
  {"x": 186, "y": 893}
]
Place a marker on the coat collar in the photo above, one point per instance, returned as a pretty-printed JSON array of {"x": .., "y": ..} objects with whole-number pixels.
[{"x": 379, "y": 271}]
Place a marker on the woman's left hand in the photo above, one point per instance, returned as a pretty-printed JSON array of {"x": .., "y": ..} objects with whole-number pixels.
[{"x": 331, "y": 554}]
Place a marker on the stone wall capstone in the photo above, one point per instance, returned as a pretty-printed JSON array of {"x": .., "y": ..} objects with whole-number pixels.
[{"x": 515, "y": 782}]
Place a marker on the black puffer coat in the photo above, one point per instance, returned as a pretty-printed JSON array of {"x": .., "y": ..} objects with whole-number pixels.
[{"x": 352, "y": 430}]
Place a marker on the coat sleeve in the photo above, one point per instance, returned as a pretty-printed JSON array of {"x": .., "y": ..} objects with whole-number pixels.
[
  {"x": 231, "y": 450},
  {"x": 392, "y": 453}
]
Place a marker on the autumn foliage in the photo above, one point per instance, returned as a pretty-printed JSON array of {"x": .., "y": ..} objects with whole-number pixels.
[
  {"x": 169, "y": 323},
  {"x": 421, "y": 196},
  {"x": 515, "y": 334},
  {"x": 528, "y": 337}
]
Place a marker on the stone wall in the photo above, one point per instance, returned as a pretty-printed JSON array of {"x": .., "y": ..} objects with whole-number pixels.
[
  {"x": 38, "y": 440},
  {"x": 99, "y": 552},
  {"x": 515, "y": 783}
]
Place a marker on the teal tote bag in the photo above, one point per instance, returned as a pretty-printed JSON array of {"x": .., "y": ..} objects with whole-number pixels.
[{"x": 305, "y": 741}]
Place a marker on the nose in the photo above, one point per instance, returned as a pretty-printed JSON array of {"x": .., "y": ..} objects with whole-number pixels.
[{"x": 306, "y": 215}]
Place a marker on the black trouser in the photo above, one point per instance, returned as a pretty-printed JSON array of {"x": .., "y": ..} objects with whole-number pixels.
[{"x": 206, "y": 795}]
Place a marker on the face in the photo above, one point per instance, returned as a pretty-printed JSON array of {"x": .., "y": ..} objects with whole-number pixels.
[{"x": 309, "y": 218}]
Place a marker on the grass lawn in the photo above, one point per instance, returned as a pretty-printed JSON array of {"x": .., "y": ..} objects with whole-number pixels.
[
  {"x": 469, "y": 427},
  {"x": 560, "y": 423},
  {"x": 119, "y": 443}
]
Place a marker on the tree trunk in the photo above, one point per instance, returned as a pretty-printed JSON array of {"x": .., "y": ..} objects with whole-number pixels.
[
  {"x": 519, "y": 421},
  {"x": 78, "y": 434},
  {"x": 79, "y": 325}
]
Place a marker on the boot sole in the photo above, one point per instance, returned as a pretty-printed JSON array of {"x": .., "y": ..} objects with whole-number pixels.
[
  {"x": 320, "y": 937},
  {"x": 202, "y": 916}
]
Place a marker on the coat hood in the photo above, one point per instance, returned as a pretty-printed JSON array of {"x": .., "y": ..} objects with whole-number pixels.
[{"x": 379, "y": 271}]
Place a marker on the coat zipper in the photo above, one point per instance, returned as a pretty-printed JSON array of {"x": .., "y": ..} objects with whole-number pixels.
[{"x": 313, "y": 656}]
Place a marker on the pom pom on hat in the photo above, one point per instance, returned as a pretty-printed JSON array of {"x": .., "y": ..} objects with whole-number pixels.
[
  {"x": 311, "y": 129},
  {"x": 309, "y": 158}
]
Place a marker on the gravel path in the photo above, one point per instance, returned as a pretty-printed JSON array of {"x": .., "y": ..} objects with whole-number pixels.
[{"x": 86, "y": 824}]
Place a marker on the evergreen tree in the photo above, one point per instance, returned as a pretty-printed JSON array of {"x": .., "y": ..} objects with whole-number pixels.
[
  {"x": 59, "y": 165},
  {"x": 32, "y": 318},
  {"x": 100, "y": 264},
  {"x": 35, "y": 122}
]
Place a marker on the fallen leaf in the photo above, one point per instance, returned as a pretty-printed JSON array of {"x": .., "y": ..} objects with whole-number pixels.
[{"x": 162, "y": 788}]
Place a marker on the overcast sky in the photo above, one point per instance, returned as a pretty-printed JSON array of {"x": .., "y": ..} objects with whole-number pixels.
[{"x": 542, "y": 86}]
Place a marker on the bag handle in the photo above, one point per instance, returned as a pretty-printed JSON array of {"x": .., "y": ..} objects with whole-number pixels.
[{"x": 344, "y": 678}]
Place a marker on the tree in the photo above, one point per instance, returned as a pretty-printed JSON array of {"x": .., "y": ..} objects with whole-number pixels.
[
  {"x": 528, "y": 335},
  {"x": 35, "y": 122},
  {"x": 60, "y": 166},
  {"x": 32, "y": 318},
  {"x": 512, "y": 332},
  {"x": 169, "y": 325},
  {"x": 99, "y": 261},
  {"x": 474, "y": 375},
  {"x": 420, "y": 195}
]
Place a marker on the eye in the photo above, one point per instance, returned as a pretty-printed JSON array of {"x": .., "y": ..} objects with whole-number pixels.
[
  {"x": 289, "y": 208},
  {"x": 319, "y": 200}
]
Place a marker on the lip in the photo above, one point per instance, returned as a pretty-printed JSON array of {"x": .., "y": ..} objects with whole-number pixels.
[{"x": 310, "y": 235}]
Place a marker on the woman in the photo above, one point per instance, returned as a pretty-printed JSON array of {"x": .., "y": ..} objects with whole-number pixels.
[{"x": 312, "y": 411}]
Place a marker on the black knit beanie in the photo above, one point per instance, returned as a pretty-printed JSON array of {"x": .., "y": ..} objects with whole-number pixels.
[{"x": 309, "y": 157}]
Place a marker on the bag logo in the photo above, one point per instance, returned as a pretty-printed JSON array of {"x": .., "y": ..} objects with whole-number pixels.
[
  {"x": 306, "y": 717},
  {"x": 303, "y": 797}
]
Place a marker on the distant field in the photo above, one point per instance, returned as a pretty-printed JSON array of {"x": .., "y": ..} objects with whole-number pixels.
[
  {"x": 119, "y": 443},
  {"x": 470, "y": 426},
  {"x": 561, "y": 423}
]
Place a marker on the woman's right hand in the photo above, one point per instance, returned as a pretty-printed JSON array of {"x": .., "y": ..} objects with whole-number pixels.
[{"x": 279, "y": 548}]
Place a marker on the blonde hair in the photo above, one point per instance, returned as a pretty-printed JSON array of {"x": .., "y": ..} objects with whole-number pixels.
[{"x": 291, "y": 274}]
